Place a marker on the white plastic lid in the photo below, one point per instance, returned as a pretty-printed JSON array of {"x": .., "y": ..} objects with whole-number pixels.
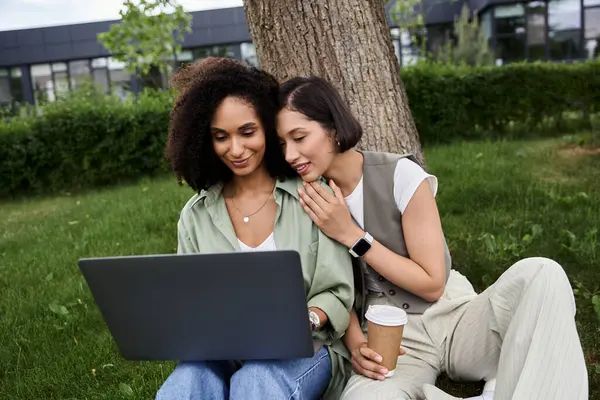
[{"x": 386, "y": 315}]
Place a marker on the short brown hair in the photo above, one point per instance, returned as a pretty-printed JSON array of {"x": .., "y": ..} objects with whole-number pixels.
[{"x": 319, "y": 101}]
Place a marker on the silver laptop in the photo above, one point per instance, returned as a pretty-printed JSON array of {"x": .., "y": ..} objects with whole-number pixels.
[{"x": 196, "y": 307}]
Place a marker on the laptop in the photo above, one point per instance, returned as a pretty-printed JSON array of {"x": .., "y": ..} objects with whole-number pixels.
[{"x": 198, "y": 307}]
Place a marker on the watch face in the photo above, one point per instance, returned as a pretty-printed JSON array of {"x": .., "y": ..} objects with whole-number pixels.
[{"x": 361, "y": 247}]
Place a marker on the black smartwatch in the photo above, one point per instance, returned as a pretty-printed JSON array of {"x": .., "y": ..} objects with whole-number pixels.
[{"x": 361, "y": 246}]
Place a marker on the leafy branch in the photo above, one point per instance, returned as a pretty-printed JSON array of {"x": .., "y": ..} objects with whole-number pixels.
[{"x": 148, "y": 35}]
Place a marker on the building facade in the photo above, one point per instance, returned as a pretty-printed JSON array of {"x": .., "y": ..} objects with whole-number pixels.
[{"x": 39, "y": 64}]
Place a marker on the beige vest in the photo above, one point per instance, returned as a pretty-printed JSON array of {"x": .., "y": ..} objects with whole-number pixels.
[{"x": 383, "y": 220}]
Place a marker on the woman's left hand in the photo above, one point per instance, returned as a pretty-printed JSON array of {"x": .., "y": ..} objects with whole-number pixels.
[{"x": 329, "y": 212}]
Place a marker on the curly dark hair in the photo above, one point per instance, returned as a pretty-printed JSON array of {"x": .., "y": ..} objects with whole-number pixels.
[{"x": 202, "y": 86}]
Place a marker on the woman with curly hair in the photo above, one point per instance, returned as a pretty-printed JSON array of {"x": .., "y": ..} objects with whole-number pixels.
[{"x": 222, "y": 142}]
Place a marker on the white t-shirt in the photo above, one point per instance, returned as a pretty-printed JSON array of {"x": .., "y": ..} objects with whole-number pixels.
[
  {"x": 267, "y": 245},
  {"x": 407, "y": 178}
]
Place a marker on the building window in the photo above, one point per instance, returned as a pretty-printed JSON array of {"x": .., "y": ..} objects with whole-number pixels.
[
  {"x": 16, "y": 85},
  {"x": 406, "y": 50},
  {"x": 60, "y": 75},
  {"x": 183, "y": 58},
  {"x": 437, "y": 37},
  {"x": 592, "y": 23},
  {"x": 99, "y": 68},
  {"x": 564, "y": 29},
  {"x": 5, "y": 97},
  {"x": 591, "y": 18},
  {"x": 120, "y": 80},
  {"x": 510, "y": 20},
  {"x": 215, "y": 51},
  {"x": 510, "y": 33},
  {"x": 79, "y": 72},
  {"x": 486, "y": 24},
  {"x": 43, "y": 86},
  {"x": 510, "y": 48},
  {"x": 536, "y": 30},
  {"x": 591, "y": 2},
  {"x": 249, "y": 53}
]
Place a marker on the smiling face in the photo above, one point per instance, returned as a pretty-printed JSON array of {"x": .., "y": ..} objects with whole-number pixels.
[
  {"x": 308, "y": 147},
  {"x": 238, "y": 136}
]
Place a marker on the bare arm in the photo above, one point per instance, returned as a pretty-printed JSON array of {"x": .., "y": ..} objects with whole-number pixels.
[{"x": 424, "y": 273}]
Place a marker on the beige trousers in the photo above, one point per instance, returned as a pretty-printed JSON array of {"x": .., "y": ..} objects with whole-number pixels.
[{"x": 521, "y": 331}]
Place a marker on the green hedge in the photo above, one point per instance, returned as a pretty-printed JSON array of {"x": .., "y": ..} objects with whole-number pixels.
[
  {"x": 450, "y": 103},
  {"x": 90, "y": 139},
  {"x": 86, "y": 140}
]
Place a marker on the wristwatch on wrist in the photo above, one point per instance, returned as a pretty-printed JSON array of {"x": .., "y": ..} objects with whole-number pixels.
[
  {"x": 361, "y": 246},
  {"x": 315, "y": 321}
]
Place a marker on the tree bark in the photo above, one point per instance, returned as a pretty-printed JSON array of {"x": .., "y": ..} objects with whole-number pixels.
[{"x": 347, "y": 42}]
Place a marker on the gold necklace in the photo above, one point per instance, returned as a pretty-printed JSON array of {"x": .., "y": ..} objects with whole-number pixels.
[{"x": 247, "y": 217}]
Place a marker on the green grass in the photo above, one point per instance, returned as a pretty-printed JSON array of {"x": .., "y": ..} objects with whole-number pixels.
[{"x": 499, "y": 202}]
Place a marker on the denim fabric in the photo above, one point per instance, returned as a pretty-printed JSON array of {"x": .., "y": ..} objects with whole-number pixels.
[{"x": 298, "y": 379}]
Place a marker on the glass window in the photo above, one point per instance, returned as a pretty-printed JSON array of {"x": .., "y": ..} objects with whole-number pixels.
[
  {"x": 4, "y": 87},
  {"x": 43, "y": 86},
  {"x": 510, "y": 19},
  {"x": 437, "y": 35},
  {"x": 120, "y": 80},
  {"x": 16, "y": 85},
  {"x": 99, "y": 63},
  {"x": 183, "y": 58},
  {"x": 592, "y": 48},
  {"x": 536, "y": 24},
  {"x": 409, "y": 54},
  {"x": 215, "y": 51},
  {"x": 486, "y": 23},
  {"x": 248, "y": 51},
  {"x": 564, "y": 15},
  {"x": 510, "y": 49},
  {"x": 100, "y": 73},
  {"x": 61, "y": 79},
  {"x": 591, "y": 2},
  {"x": 566, "y": 45},
  {"x": 592, "y": 23},
  {"x": 79, "y": 72},
  {"x": 59, "y": 67},
  {"x": 100, "y": 77}
]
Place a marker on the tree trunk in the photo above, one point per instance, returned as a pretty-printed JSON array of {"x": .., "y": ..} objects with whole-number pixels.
[{"x": 348, "y": 43}]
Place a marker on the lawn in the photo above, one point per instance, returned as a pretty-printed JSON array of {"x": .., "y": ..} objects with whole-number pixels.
[{"x": 500, "y": 201}]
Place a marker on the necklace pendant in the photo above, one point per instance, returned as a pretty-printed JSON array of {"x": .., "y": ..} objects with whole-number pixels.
[{"x": 246, "y": 219}]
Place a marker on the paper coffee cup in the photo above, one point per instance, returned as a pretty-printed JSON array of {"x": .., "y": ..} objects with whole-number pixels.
[{"x": 386, "y": 326}]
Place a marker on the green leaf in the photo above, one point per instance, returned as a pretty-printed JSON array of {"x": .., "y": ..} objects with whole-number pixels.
[
  {"x": 126, "y": 389},
  {"x": 490, "y": 243},
  {"x": 536, "y": 230},
  {"x": 596, "y": 303},
  {"x": 58, "y": 309}
]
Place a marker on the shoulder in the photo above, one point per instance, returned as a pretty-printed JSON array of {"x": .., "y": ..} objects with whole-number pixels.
[
  {"x": 408, "y": 175},
  {"x": 195, "y": 207},
  {"x": 380, "y": 157}
]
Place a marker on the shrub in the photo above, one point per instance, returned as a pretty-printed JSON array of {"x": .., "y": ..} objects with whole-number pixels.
[
  {"x": 84, "y": 140},
  {"x": 89, "y": 139},
  {"x": 450, "y": 103}
]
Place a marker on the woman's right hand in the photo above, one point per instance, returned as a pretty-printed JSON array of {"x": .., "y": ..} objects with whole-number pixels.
[{"x": 367, "y": 362}]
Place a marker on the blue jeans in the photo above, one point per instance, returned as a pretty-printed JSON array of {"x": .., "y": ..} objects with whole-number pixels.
[{"x": 298, "y": 379}]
